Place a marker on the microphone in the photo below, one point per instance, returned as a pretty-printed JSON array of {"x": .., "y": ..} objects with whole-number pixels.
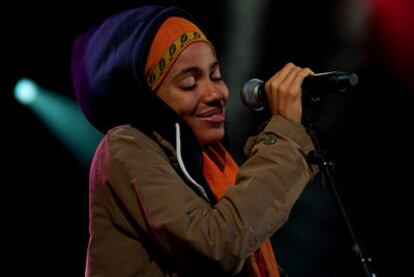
[{"x": 318, "y": 85}]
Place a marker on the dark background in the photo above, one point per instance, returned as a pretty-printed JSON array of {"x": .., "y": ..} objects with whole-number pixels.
[{"x": 367, "y": 132}]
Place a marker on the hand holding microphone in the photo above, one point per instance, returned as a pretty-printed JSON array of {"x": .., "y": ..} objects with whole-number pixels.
[
  {"x": 282, "y": 92},
  {"x": 254, "y": 96}
]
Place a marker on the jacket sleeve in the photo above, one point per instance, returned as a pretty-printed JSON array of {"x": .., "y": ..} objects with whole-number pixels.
[{"x": 183, "y": 225}]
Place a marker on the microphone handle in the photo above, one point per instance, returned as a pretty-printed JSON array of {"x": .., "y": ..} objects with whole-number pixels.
[{"x": 331, "y": 82}]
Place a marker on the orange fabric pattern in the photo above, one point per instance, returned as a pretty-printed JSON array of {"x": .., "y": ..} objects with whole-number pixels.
[
  {"x": 220, "y": 171},
  {"x": 173, "y": 36}
]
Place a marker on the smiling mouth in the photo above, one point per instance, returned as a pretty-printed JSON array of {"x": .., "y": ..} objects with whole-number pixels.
[{"x": 213, "y": 116}]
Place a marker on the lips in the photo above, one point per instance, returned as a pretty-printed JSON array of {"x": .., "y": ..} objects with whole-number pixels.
[{"x": 212, "y": 116}]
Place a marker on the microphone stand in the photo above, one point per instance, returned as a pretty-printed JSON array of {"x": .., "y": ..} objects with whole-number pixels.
[{"x": 326, "y": 167}]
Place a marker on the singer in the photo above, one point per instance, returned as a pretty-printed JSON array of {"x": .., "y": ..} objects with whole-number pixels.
[{"x": 166, "y": 197}]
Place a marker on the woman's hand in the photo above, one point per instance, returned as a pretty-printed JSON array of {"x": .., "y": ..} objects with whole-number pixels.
[{"x": 284, "y": 92}]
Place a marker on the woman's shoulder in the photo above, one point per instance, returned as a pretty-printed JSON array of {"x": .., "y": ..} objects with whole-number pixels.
[
  {"x": 124, "y": 130},
  {"x": 126, "y": 136}
]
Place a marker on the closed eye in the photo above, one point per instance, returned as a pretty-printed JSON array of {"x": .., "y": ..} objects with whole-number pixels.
[
  {"x": 188, "y": 88},
  {"x": 188, "y": 83},
  {"x": 215, "y": 74}
]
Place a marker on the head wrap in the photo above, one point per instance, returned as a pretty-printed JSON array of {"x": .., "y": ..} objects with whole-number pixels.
[{"x": 173, "y": 36}]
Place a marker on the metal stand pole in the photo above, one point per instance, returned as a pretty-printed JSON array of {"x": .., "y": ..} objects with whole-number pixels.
[{"x": 326, "y": 166}]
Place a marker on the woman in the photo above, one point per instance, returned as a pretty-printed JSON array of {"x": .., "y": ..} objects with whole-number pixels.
[{"x": 166, "y": 198}]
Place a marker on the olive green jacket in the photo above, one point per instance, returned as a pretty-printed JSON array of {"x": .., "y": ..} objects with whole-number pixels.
[{"x": 145, "y": 220}]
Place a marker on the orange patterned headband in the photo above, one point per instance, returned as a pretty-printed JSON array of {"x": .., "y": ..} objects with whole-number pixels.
[{"x": 174, "y": 35}]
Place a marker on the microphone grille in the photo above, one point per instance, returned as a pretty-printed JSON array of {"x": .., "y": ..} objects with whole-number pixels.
[
  {"x": 250, "y": 94},
  {"x": 353, "y": 79}
]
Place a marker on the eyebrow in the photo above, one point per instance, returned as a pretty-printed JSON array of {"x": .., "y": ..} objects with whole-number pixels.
[{"x": 195, "y": 70}]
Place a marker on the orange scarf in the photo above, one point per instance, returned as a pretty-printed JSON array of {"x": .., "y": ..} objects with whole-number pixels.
[{"x": 220, "y": 171}]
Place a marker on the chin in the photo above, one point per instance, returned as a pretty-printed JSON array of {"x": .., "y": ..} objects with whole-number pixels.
[{"x": 211, "y": 137}]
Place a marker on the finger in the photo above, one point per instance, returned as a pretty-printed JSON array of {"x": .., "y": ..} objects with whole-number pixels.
[
  {"x": 278, "y": 77},
  {"x": 297, "y": 81},
  {"x": 287, "y": 94},
  {"x": 286, "y": 89}
]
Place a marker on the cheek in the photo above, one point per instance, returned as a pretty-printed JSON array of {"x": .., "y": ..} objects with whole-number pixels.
[
  {"x": 187, "y": 107},
  {"x": 183, "y": 104},
  {"x": 225, "y": 90}
]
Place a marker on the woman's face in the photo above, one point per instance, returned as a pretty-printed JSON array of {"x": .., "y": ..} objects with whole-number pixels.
[{"x": 195, "y": 90}]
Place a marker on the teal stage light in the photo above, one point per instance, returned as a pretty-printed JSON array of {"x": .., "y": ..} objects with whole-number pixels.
[
  {"x": 63, "y": 118},
  {"x": 25, "y": 91}
]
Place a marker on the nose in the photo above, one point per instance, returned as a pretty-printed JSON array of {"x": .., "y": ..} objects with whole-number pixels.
[{"x": 215, "y": 92}]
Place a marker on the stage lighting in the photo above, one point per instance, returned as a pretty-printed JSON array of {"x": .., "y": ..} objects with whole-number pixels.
[
  {"x": 25, "y": 91},
  {"x": 62, "y": 116}
]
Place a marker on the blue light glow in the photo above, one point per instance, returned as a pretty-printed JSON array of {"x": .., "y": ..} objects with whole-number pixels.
[{"x": 25, "y": 91}]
